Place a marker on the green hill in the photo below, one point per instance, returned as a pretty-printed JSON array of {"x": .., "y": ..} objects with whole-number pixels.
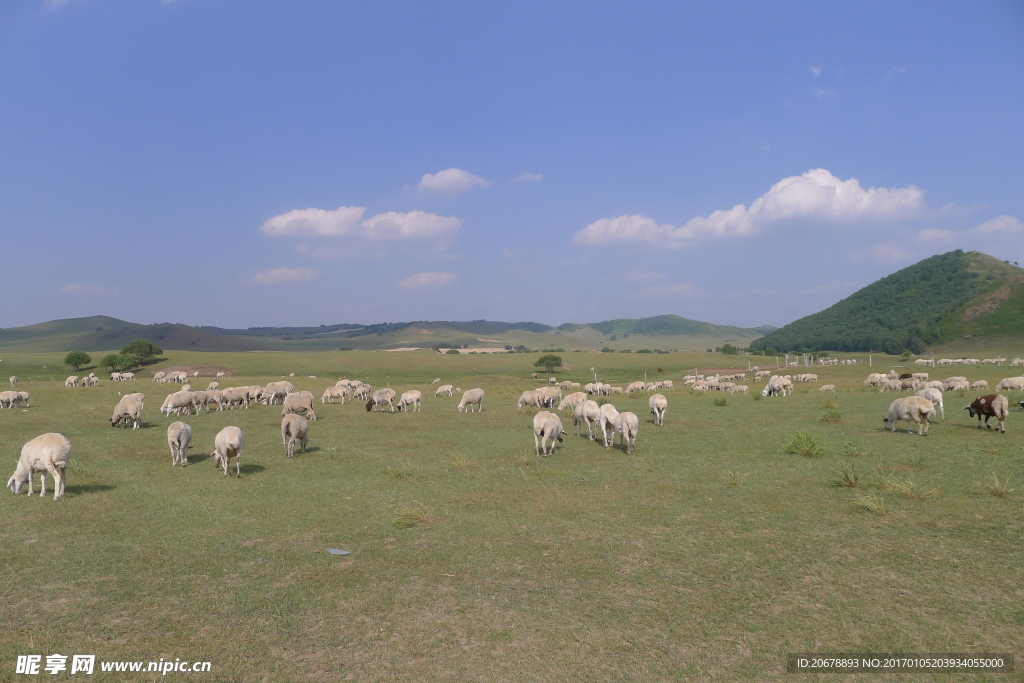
[
  {"x": 941, "y": 299},
  {"x": 102, "y": 333}
]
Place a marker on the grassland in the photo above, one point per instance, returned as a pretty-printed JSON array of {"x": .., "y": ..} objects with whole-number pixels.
[{"x": 707, "y": 554}]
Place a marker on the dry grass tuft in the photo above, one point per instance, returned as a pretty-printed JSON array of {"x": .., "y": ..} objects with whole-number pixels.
[
  {"x": 411, "y": 516},
  {"x": 888, "y": 481},
  {"x": 871, "y": 502},
  {"x": 733, "y": 479},
  {"x": 847, "y": 478},
  {"x": 993, "y": 487}
]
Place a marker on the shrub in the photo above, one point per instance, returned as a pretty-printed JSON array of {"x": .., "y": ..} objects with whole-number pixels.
[
  {"x": 804, "y": 444},
  {"x": 721, "y": 402},
  {"x": 452, "y": 351}
]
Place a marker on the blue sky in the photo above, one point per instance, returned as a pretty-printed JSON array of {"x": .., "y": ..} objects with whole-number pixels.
[{"x": 243, "y": 163}]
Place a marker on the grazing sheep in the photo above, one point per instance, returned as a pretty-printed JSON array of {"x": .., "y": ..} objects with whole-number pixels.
[
  {"x": 658, "y": 404},
  {"x": 205, "y": 398},
  {"x": 608, "y": 415},
  {"x": 1011, "y": 384},
  {"x": 534, "y": 376},
  {"x": 531, "y": 397},
  {"x": 186, "y": 387},
  {"x": 827, "y": 387},
  {"x": 12, "y": 397},
  {"x": 179, "y": 436},
  {"x": 627, "y": 425},
  {"x": 235, "y": 396},
  {"x": 294, "y": 428},
  {"x": 777, "y": 385},
  {"x": 956, "y": 385},
  {"x": 213, "y": 385},
  {"x": 298, "y": 401},
  {"x": 552, "y": 380},
  {"x": 331, "y": 393},
  {"x": 473, "y": 397},
  {"x": 380, "y": 397},
  {"x": 565, "y": 386},
  {"x": 410, "y": 398},
  {"x": 935, "y": 396},
  {"x": 740, "y": 389},
  {"x": 46, "y": 453},
  {"x": 990, "y": 405},
  {"x": 276, "y": 390},
  {"x": 891, "y": 385},
  {"x": 228, "y": 444},
  {"x": 586, "y": 412},
  {"x": 444, "y": 390},
  {"x": 979, "y": 385},
  {"x": 572, "y": 400},
  {"x": 437, "y": 380},
  {"x": 875, "y": 379},
  {"x": 71, "y": 381},
  {"x": 546, "y": 426},
  {"x": 130, "y": 410},
  {"x": 909, "y": 384},
  {"x": 254, "y": 393},
  {"x": 178, "y": 401},
  {"x": 362, "y": 391},
  {"x": 916, "y": 408},
  {"x": 160, "y": 377},
  {"x": 14, "y": 381},
  {"x": 551, "y": 395}
]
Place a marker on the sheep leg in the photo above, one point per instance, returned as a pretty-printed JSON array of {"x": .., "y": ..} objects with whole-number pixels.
[
  {"x": 238, "y": 465},
  {"x": 536, "y": 448},
  {"x": 42, "y": 483}
]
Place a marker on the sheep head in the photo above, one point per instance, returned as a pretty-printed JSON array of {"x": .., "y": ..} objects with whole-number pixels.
[
  {"x": 369, "y": 405},
  {"x": 15, "y": 484}
]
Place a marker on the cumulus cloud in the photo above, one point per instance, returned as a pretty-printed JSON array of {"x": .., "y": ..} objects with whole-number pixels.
[
  {"x": 427, "y": 281},
  {"x": 450, "y": 182},
  {"x": 347, "y": 221},
  {"x": 1000, "y": 225},
  {"x": 816, "y": 194},
  {"x": 276, "y": 276},
  {"x": 527, "y": 177},
  {"x": 89, "y": 290}
]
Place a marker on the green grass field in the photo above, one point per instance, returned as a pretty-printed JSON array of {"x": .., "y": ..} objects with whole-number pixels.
[{"x": 707, "y": 554}]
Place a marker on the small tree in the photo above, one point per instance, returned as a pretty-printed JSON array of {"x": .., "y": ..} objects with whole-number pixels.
[
  {"x": 143, "y": 349},
  {"x": 77, "y": 359},
  {"x": 549, "y": 362},
  {"x": 112, "y": 361}
]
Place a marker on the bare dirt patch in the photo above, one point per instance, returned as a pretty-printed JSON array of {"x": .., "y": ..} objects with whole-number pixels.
[{"x": 992, "y": 301}]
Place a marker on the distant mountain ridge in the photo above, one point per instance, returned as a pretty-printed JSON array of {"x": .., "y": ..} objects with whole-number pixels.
[
  {"x": 103, "y": 333},
  {"x": 951, "y": 296}
]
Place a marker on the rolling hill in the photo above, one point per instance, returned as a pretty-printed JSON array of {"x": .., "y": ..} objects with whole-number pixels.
[
  {"x": 101, "y": 333},
  {"x": 950, "y": 298}
]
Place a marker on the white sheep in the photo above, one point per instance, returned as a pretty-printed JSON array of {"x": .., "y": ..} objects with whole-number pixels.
[
  {"x": 437, "y": 380},
  {"x": 178, "y": 401},
  {"x": 572, "y": 400},
  {"x": 739, "y": 389},
  {"x": 1011, "y": 384},
  {"x": 916, "y": 408},
  {"x": 186, "y": 387},
  {"x": 627, "y": 425},
  {"x": 827, "y": 387},
  {"x": 233, "y": 396},
  {"x": 46, "y": 453},
  {"x": 586, "y": 412},
  {"x": 213, "y": 385},
  {"x": 551, "y": 395},
  {"x": 220, "y": 374},
  {"x": 130, "y": 410},
  {"x": 294, "y": 428},
  {"x": 205, "y": 398},
  {"x": 546, "y": 426},
  {"x": 658, "y": 404},
  {"x": 410, "y": 398},
  {"x": 444, "y": 390},
  {"x": 472, "y": 397},
  {"x": 276, "y": 390},
  {"x": 160, "y": 377},
  {"x": 608, "y": 415},
  {"x": 228, "y": 444},
  {"x": 336, "y": 392},
  {"x": 935, "y": 396},
  {"x": 14, "y": 381},
  {"x": 380, "y": 397},
  {"x": 979, "y": 385},
  {"x": 531, "y": 397},
  {"x": 179, "y": 436},
  {"x": 296, "y": 402},
  {"x": 71, "y": 381}
]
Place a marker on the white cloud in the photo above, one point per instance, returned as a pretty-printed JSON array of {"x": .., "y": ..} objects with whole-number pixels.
[
  {"x": 275, "y": 276},
  {"x": 54, "y": 5},
  {"x": 815, "y": 194},
  {"x": 89, "y": 290},
  {"x": 822, "y": 93},
  {"x": 512, "y": 253},
  {"x": 1000, "y": 225},
  {"x": 642, "y": 276},
  {"x": 427, "y": 281},
  {"x": 450, "y": 182},
  {"x": 816, "y": 70},
  {"x": 347, "y": 221},
  {"x": 527, "y": 177}
]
